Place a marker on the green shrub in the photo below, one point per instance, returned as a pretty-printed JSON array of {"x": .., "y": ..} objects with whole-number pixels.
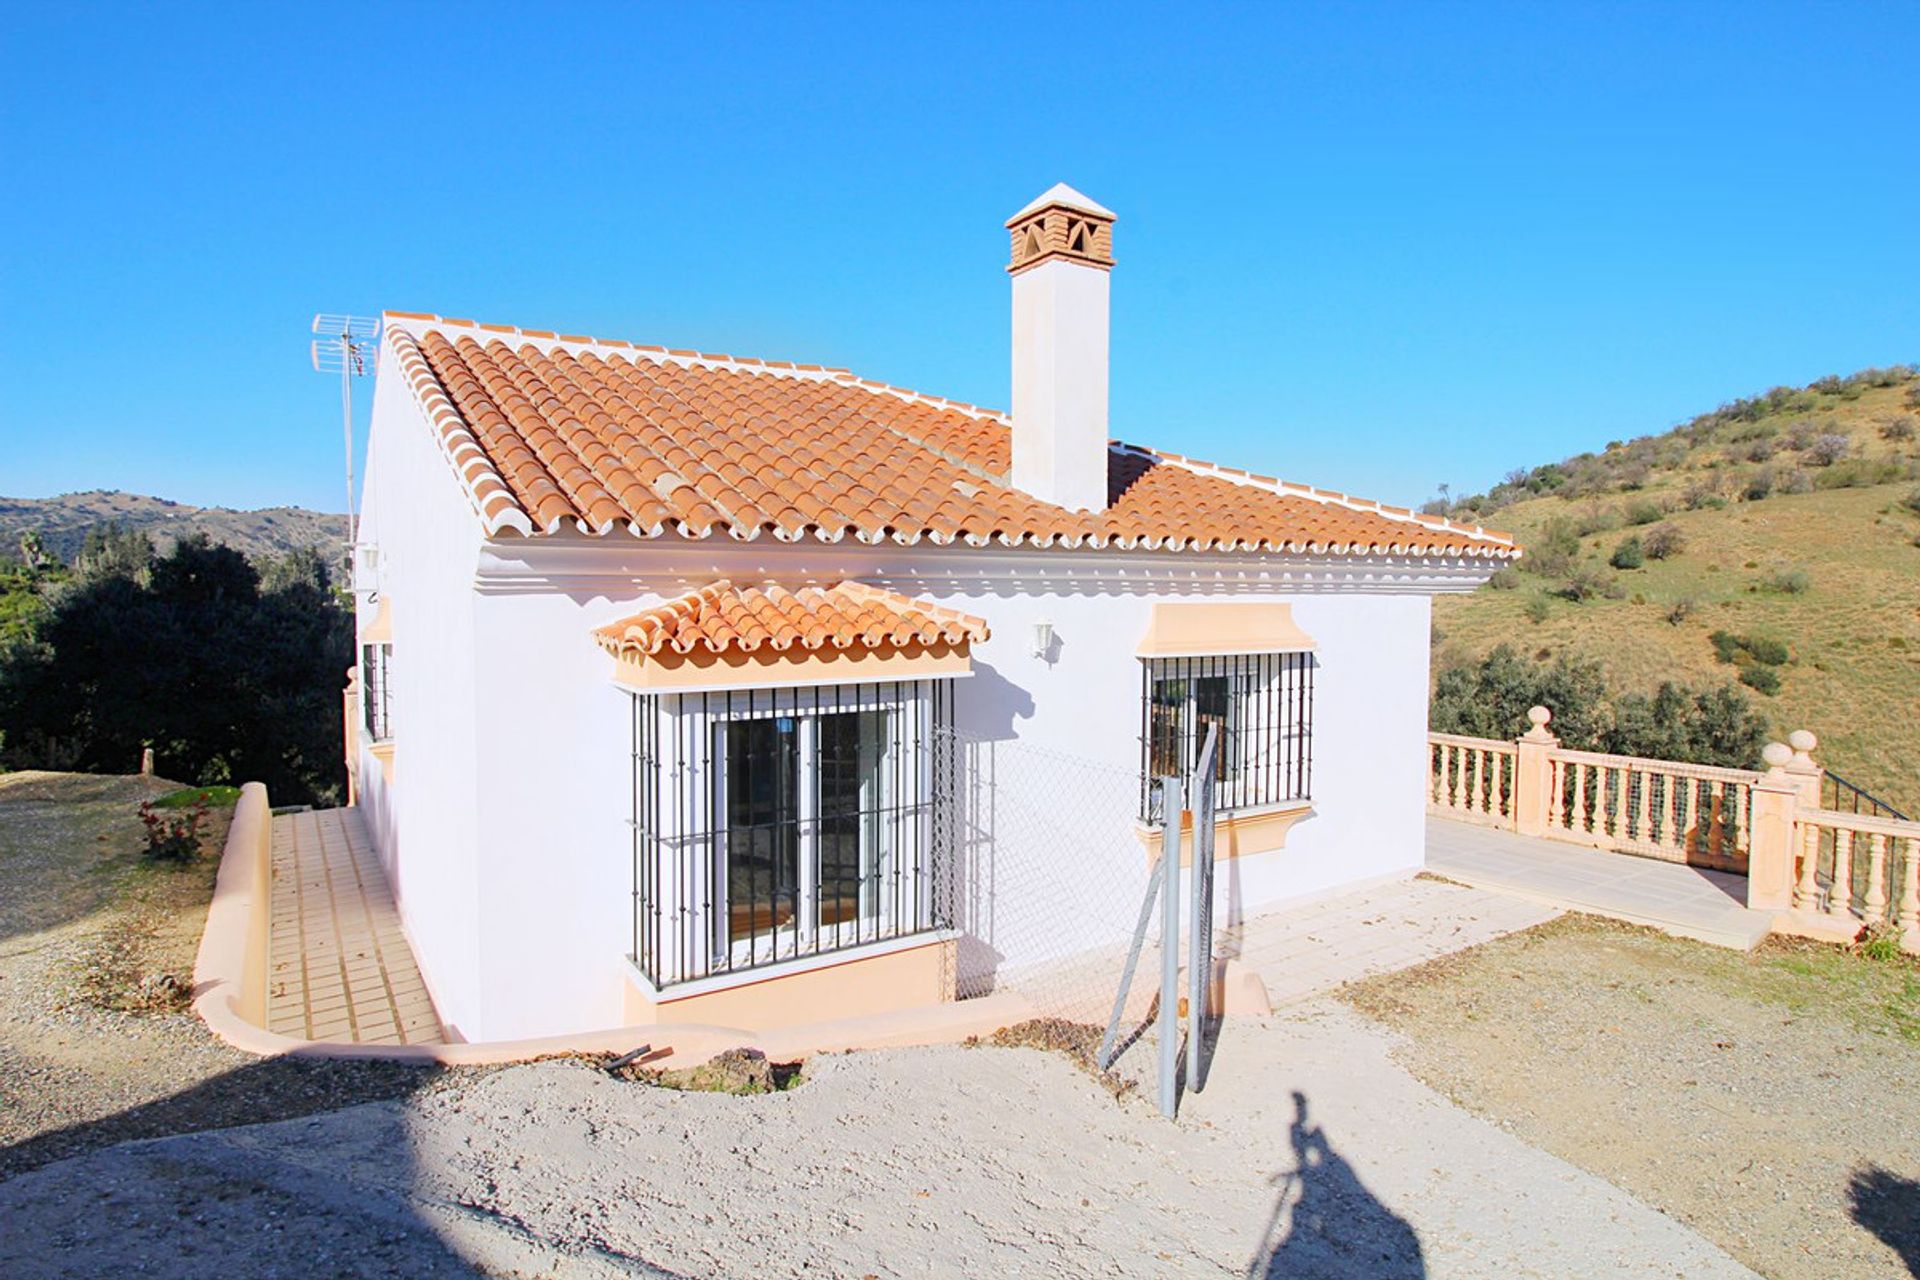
[
  {"x": 1759, "y": 484},
  {"x": 1555, "y": 550},
  {"x": 1627, "y": 555},
  {"x": 1787, "y": 582},
  {"x": 1505, "y": 578},
  {"x": 1681, "y": 610},
  {"x": 1859, "y": 474},
  {"x": 1763, "y": 679},
  {"x": 1490, "y": 700},
  {"x": 1590, "y": 584},
  {"x": 1538, "y": 609},
  {"x": 1897, "y": 428},
  {"x": 1793, "y": 480},
  {"x": 1663, "y": 541},
  {"x": 1643, "y": 512},
  {"x": 1912, "y": 501},
  {"x": 1748, "y": 650}
]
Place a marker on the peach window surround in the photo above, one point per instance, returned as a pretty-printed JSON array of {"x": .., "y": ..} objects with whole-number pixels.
[{"x": 1221, "y": 629}]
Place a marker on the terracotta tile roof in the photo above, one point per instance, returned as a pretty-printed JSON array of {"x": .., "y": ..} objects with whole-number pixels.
[
  {"x": 721, "y": 617},
  {"x": 551, "y": 433}
]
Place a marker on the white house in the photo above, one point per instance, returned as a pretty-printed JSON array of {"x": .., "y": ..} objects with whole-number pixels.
[{"x": 671, "y": 663}]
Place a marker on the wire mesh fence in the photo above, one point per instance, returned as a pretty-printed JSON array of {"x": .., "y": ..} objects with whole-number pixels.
[{"x": 1050, "y": 866}]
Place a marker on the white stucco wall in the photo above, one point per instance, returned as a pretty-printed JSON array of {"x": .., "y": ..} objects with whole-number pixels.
[
  {"x": 426, "y": 825},
  {"x": 539, "y": 948}
]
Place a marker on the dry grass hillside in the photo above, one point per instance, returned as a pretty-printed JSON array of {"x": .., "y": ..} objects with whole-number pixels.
[{"x": 1792, "y": 517}]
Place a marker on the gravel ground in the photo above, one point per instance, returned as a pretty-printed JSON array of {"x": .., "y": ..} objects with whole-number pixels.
[
  {"x": 1310, "y": 1154},
  {"x": 1771, "y": 1102},
  {"x": 82, "y": 922}
]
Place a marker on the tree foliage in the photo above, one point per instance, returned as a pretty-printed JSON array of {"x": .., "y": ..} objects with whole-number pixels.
[
  {"x": 1490, "y": 700},
  {"x": 230, "y": 673}
]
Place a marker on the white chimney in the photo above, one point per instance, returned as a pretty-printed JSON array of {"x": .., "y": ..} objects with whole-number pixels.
[{"x": 1062, "y": 252}]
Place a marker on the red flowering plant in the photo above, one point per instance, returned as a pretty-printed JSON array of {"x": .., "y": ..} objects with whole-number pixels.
[{"x": 173, "y": 835}]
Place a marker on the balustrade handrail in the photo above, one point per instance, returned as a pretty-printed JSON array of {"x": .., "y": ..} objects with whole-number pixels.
[
  {"x": 1645, "y": 764},
  {"x": 1867, "y": 824},
  {"x": 1463, "y": 740}
]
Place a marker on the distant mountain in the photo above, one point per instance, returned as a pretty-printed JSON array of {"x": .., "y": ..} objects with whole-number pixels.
[{"x": 63, "y": 523}]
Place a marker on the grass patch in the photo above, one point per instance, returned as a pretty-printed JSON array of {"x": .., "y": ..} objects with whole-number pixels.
[{"x": 187, "y": 797}]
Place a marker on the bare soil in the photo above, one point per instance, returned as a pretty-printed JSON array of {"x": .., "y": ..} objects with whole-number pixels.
[
  {"x": 1769, "y": 1101},
  {"x": 96, "y": 963}
]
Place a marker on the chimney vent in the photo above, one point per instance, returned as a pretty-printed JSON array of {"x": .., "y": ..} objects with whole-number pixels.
[{"x": 1062, "y": 252}]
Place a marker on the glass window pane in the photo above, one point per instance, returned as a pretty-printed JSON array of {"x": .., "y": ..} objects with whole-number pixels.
[
  {"x": 1213, "y": 705},
  {"x": 1166, "y": 718},
  {"x": 853, "y": 747},
  {"x": 762, "y": 814}
]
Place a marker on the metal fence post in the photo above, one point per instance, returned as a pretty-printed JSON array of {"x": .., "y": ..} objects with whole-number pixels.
[
  {"x": 1171, "y": 811},
  {"x": 1200, "y": 940}
]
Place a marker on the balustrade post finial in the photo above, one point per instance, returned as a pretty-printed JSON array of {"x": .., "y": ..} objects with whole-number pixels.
[
  {"x": 1806, "y": 771},
  {"x": 1803, "y": 744},
  {"x": 1534, "y": 776},
  {"x": 1772, "y": 841}
]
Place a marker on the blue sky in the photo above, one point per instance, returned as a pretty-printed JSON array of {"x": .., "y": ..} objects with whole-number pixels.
[{"x": 1374, "y": 248}]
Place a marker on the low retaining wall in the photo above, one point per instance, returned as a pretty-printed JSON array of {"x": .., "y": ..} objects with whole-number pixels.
[{"x": 230, "y": 979}]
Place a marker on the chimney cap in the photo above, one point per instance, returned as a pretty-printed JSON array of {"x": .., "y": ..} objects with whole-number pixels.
[{"x": 1063, "y": 196}]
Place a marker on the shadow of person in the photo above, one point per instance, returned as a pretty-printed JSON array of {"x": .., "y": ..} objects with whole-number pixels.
[
  {"x": 1889, "y": 1206},
  {"x": 1326, "y": 1225}
]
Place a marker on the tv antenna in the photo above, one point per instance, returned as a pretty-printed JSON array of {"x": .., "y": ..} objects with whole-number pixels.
[{"x": 348, "y": 346}]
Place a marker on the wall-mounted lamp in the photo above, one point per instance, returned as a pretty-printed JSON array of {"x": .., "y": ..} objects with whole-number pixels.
[{"x": 1042, "y": 638}]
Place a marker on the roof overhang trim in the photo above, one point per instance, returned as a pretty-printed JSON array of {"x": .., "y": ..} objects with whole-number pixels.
[{"x": 768, "y": 668}]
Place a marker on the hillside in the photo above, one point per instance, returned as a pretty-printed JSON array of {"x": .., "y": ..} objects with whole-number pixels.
[
  {"x": 1792, "y": 517},
  {"x": 63, "y": 523}
]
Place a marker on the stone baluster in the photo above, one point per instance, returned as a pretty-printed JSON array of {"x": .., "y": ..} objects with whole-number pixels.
[
  {"x": 1909, "y": 917},
  {"x": 1840, "y": 890},
  {"x": 1874, "y": 905},
  {"x": 1806, "y": 889}
]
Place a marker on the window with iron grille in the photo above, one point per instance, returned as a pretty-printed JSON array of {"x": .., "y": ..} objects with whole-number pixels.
[
  {"x": 774, "y": 824},
  {"x": 1262, "y": 706},
  {"x": 375, "y": 699}
]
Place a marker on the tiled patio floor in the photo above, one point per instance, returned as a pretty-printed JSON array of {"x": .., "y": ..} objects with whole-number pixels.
[
  {"x": 339, "y": 966},
  {"x": 1309, "y": 948},
  {"x": 1708, "y": 906}
]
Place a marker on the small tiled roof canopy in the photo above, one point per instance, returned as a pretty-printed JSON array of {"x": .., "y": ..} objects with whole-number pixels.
[
  {"x": 551, "y": 432},
  {"x": 724, "y": 618}
]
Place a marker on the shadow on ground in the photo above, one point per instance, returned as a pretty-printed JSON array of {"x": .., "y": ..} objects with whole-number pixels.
[
  {"x": 1326, "y": 1224},
  {"x": 1889, "y": 1206},
  {"x": 282, "y": 1088}
]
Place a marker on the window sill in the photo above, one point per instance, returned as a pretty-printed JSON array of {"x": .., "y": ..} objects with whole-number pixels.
[
  {"x": 781, "y": 969},
  {"x": 380, "y": 749},
  {"x": 1238, "y": 833}
]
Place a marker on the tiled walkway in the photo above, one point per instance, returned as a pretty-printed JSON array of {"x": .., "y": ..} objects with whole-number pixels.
[
  {"x": 340, "y": 969},
  {"x": 1708, "y": 906}
]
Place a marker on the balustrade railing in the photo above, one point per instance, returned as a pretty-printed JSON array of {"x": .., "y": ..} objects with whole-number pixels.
[
  {"x": 1471, "y": 779},
  {"x": 1824, "y": 855},
  {"x": 1858, "y": 868},
  {"x": 1689, "y": 813}
]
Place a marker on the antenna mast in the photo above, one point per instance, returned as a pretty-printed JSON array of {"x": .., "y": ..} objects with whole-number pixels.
[{"x": 346, "y": 345}]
